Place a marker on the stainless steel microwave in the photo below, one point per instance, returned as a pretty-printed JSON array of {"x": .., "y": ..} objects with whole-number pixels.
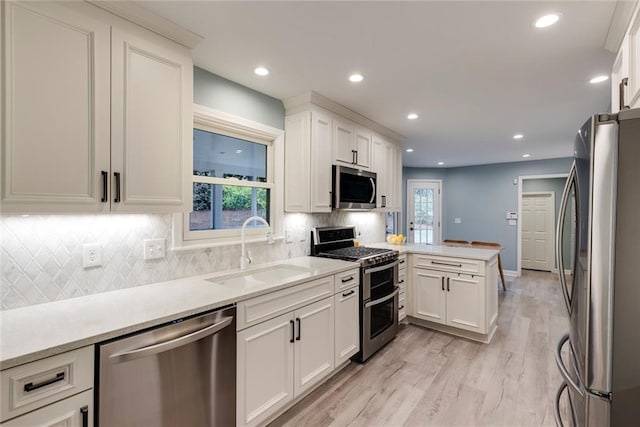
[{"x": 353, "y": 189}]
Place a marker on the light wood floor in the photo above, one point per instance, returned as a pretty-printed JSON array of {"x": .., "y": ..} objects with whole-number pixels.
[{"x": 428, "y": 378}]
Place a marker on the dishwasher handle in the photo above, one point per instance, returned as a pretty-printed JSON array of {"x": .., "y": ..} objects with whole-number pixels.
[{"x": 139, "y": 353}]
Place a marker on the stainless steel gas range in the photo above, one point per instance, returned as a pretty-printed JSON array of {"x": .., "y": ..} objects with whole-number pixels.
[{"x": 378, "y": 284}]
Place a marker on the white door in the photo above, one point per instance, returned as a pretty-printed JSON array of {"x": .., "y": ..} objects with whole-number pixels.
[
  {"x": 321, "y": 136},
  {"x": 55, "y": 102},
  {"x": 152, "y": 124},
  {"x": 347, "y": 324},
  {"x": 314, "y": 345},
  {"x": 465, "y": 302},
  {"x": 429, "y": 297},
  {"x": 423, "y": 211},
  {"x": 264, "y": 369},
  {"x": 538, "y": 231}
]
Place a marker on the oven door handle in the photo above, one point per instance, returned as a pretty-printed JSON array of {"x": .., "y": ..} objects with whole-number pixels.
[
  {"x": 383, "y": 299},
  {"x": 382, "y": 267}
]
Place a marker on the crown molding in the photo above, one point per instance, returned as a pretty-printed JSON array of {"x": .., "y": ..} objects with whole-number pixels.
[
  {"x": 151, "y": 21},
  {"x": 306, "y": 100},
  {"x": 619, "y": 23}
]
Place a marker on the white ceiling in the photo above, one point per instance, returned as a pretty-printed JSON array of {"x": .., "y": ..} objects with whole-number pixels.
[{"x": 476, "y": 72}]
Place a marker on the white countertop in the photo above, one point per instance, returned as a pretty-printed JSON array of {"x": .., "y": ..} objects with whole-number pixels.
[
  {"x": 449, "y": 251},
  {"x": 38, "y": 331}
]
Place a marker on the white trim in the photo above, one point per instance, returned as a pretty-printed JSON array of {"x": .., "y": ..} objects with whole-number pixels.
[
  {"x": 511, "y": 273},
  {"x": 520, "y": 179},
  {"x": 151, "y": 21},
  {"x": 232, "y": 125},
  {"x": 438, "y": 236},
  {"x": 619, "y": 25}
]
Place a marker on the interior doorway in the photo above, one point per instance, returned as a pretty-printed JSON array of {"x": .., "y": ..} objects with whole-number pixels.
[
  {"x": 424, "y": 210},
  {"x": 538, "y": 230},
  {"x": 539, "y": 184}
]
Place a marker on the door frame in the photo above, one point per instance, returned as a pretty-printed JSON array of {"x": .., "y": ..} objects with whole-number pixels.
[
  {"x": 519, "y": 243},
  {"x": 552, "y": 242},
  {"x": 438, "y": 235}
]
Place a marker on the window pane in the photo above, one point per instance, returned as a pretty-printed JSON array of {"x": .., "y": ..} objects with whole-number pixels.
[
  {"x": 219, "y": 207},
  {"x": 223, "y": 156}
]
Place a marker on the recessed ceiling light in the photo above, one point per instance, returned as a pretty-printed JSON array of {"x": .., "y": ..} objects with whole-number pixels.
[
  {"x": 409, "y": 150},
  {"x": 261, "y": 71},
  {"x": 518, "y": 136},
  {"x": 440, "y": 163},
  {"x": 238, "y": 151},
  {"x": 526, "y": 155},
  {"x": 547, "y": 20},
  {"x": 412, "y": 116},
  {"x": 599, "y": 79},
  {"x": 356, "y": 77}
]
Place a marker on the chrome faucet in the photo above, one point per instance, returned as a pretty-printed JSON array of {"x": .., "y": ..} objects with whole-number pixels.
[{"x": 244, "y": 259}]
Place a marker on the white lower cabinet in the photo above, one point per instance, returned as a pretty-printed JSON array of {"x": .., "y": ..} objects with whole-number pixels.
[
  {"x": 450, "y": 299},
  {"x": 282, "y": 358},
  {"x": 347, "y": 325},
  {"x": 75, "y": 411}
]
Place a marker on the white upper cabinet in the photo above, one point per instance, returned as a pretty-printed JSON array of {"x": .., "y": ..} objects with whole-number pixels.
[
  {"x": 308, "y": 141},
  {"x": 344, "y": 143},
  {"x": 385, "y": 157},
  {"x": 151, "y": 122},
  {"x": 55, "y": 132},
  {"x": 363, "y": 148},
  {"x": 98, "y": 113},
  {"x": 625, "y": 75}
]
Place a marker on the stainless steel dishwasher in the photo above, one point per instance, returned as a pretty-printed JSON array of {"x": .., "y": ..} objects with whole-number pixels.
[{"x": 179, "y": 374}]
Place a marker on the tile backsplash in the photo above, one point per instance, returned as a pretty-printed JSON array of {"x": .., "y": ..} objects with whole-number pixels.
[{"x": 41, "y": 256}]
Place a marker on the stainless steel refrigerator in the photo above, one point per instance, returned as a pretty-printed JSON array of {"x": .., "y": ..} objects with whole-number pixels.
[{"x": 599, "y": 357}]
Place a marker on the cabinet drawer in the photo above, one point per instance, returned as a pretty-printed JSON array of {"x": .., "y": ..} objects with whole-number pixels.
[
  {"x": 264, "y": 307},
  {"x": 402, "y": 280},
  {"x": 347, "y": 280},
  {"x": 456, "y": 265},
  {"x": 402, "y": 262},
  {"x": 70, "y": 412},
  {"x": 36, "y": 384},
  {"x": 402, "y": 306}
]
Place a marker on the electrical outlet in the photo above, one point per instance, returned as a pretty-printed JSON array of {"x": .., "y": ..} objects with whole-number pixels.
[
  {"x": 91, "y": 255},
  {"x": 154, "y": 248},
  {"x": 288, "y": 236},
  {"x": 457, "y": 220}
]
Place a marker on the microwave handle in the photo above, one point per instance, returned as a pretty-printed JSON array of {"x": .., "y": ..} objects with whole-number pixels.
[{"x": 373, "y": 187}]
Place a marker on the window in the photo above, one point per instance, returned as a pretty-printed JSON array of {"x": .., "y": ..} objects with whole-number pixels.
[{"x": 234, "y": 177}]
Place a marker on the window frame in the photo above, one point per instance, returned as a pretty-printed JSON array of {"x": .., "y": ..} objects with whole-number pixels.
[{"x": 210, "y": 120}]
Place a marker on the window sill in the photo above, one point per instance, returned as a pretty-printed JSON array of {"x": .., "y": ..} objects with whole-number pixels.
[{"x": 187, "y": 246}]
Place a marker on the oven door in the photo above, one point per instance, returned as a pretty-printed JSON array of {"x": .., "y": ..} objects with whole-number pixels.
[{"x": 379, "y": 322}]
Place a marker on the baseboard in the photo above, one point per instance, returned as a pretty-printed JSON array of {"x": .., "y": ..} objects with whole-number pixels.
[{"x": 511, "y": 273}]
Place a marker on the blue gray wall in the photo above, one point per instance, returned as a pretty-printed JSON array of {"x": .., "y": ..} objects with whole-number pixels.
[
  {"x": 481, "y": 196},
  {"x": 221, "y": 94}
]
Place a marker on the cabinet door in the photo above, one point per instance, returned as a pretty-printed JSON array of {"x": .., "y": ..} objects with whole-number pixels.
[
  {"x": 343, "y": 143},
  {"x": 75, "y": 411},
  {"x": 634, "y": 62},
  {"x": 152, "y": 122},
  {"x": 347, "y": 326},
  {"x": 321, "y": 140},
  {"x": 466, "y": 302},
  {"x": 379, "y": 166},
  {"x": 297, "y": 159},
  {"x": 314, "y": 344},
  {"x": 55, "y": 102},
  {"x": 429, "y": 300},
  {"x": 390, "y": 176},
  {"x": 363, "y": 149},
  {"x": 264, "y": 369},
  {"x": 620, "y": 71}
]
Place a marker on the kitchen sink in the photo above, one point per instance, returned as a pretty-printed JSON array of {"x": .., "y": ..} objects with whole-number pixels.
[{"x": 261, "y": 276}]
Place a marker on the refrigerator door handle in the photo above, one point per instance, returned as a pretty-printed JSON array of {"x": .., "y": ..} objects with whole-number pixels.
[
  {"x": 556, "y": 406},
  {"x": 560, "y": 236},
  {"x": 563, "y": 369}
]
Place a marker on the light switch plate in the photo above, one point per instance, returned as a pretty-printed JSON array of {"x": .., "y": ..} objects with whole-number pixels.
[
  {"x": 288, "y": 236},
  {"x": 154, "y": 248},
  {"x": 91, "y": 255},
  {"x": 457, "y": 220}
]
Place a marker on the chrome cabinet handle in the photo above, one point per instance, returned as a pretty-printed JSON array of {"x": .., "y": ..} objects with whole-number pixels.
[
  {"x": 383, "y": 299},
  {"x": 31, "y": 386},
  {"x": 446, "y": 263},
  {"x": 560, "y": 236},
  {"x": 174, "y": 343},
  {"x": 624, "y": 82}
]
